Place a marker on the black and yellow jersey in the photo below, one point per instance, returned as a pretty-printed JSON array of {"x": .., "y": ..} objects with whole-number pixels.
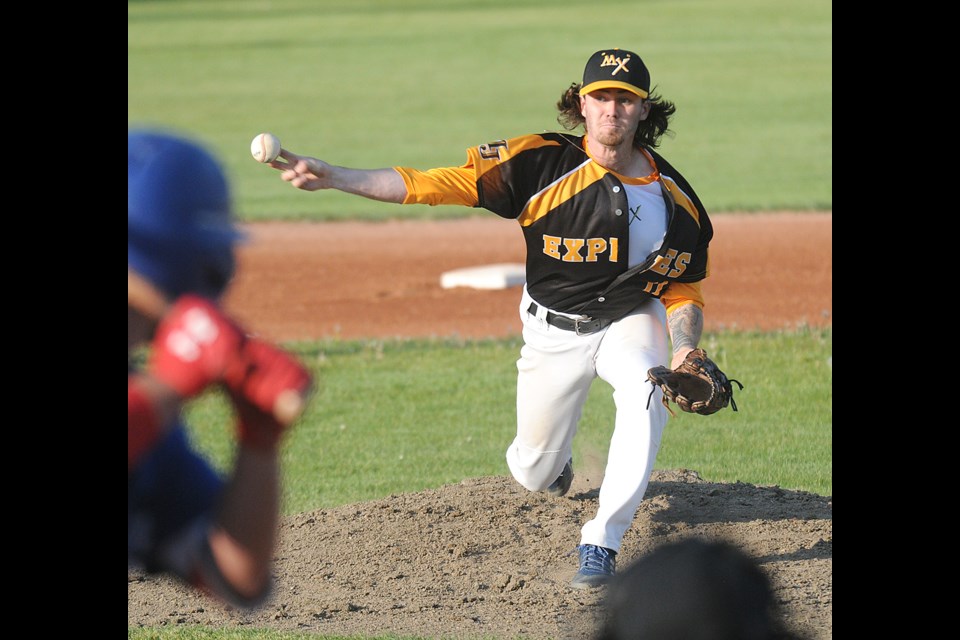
[{"x": 574, "y": 217}]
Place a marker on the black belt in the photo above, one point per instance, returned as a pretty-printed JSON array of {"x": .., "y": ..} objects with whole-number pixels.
[{"x": 582, "y": 326}]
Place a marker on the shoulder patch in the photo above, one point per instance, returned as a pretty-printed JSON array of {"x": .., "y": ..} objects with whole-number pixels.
[{"x": 501, "y": 150}]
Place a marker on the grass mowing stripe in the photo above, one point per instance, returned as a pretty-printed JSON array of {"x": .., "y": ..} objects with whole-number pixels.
[{"x": 401, "y": 416}]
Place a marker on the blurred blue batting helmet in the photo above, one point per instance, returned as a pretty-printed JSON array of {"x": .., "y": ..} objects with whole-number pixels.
[{"x": 180, "y": 228}]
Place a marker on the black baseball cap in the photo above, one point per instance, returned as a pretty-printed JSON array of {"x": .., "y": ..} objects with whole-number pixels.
[{"x": 616, "y": 69}]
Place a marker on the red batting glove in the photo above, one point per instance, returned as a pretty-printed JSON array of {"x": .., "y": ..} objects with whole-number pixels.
[
  {"x": 195, "y": 345},
  {"x": 269, "y": 393}
]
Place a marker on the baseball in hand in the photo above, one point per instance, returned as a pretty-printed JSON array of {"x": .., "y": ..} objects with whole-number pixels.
[{"x": 265, "y": 147}]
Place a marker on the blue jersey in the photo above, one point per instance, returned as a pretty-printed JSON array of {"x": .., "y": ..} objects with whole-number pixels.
[{"x": 171, "y": 489}]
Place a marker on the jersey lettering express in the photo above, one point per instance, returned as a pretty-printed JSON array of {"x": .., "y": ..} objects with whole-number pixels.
[{"x": 575, "y": 220}]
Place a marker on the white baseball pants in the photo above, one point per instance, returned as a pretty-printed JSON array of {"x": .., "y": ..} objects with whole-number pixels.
[{"x": 555, "y": 371}]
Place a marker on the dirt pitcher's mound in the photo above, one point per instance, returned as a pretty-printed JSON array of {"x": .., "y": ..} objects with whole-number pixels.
[{"x": 487, "y": 559}]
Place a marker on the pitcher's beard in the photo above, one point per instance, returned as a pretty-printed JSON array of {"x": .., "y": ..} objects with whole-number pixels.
[{"x": 610, "y": 138}]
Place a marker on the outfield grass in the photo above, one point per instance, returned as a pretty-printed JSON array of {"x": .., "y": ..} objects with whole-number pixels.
[
  {"x": 373, "y": 83},
  {"x": 403, "y": 416}
]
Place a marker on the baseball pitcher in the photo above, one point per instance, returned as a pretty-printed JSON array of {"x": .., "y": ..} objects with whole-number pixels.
[{"x": 616, "y": 244}]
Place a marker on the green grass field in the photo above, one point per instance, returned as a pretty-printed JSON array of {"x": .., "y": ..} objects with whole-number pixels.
[{"x": 374, "y": 83}]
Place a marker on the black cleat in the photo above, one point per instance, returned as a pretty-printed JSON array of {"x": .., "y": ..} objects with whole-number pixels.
[{"x": 562, "y": 484}]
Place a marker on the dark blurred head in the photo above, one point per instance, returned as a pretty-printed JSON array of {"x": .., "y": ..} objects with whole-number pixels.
[
  {"x": 180, "y": 230},
  {"x": 692, "y": 590}
]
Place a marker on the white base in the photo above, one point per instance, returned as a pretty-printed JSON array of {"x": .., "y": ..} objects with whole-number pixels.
[{"x": 491, "y": 276}]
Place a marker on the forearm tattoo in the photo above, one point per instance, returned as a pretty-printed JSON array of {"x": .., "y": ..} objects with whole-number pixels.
[{"x": 686, "y": 327}]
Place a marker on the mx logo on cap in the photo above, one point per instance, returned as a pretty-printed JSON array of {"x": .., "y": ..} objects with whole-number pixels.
[{"x": 619, "y": 64}]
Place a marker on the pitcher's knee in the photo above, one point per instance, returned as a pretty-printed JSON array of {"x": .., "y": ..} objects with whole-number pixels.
[{"x": 533, "y": 470}]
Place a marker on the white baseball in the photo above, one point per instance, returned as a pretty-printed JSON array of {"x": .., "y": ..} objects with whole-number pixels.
[{"x": 265, "y": 147}]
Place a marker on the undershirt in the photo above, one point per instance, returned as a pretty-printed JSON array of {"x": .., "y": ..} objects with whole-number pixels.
[{"x": 648, "y": 220}]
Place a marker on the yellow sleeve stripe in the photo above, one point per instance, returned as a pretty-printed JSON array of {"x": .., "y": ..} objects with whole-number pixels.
[
  {"x": 458, "y": 185},
  {"x": 449, "y": 185},
  {"x": 681, "y": 293}
]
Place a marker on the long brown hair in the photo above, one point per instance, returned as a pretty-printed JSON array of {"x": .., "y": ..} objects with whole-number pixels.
[{"x": 648, "y": 132}]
